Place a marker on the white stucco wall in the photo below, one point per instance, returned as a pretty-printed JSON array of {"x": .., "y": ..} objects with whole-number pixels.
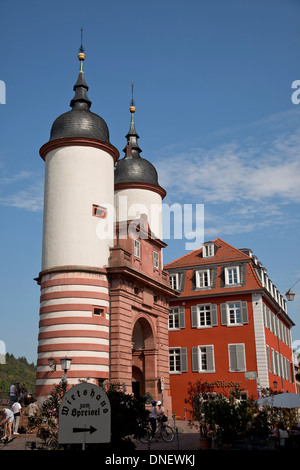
[
  {"x": 76, "y": 177},
  {"x": 133, "y": 202}
]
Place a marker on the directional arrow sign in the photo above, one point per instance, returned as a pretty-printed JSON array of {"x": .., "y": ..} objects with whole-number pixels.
[
  {"x": 84, "y": 416},
  {"x": 90, "y": 429}
]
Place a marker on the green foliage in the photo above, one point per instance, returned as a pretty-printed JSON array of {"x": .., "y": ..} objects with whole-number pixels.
[
  {"x": 225, "y": 416},
  {"x": 48, "y": 419},
  {"x": 17, "y": 370},
  {"x": 128, "y": 417}
]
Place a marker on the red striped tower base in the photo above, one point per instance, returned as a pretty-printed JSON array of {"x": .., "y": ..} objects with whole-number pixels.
[{"x": 74, "y": 322}]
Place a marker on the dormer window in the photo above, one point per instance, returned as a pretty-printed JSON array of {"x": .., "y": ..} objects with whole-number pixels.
[
  {"x": 203, "y": 278},
  {"x": 174, "y": 281},
  {"x": 208, "y": 250},
  {"x": 232, "y": 275}
]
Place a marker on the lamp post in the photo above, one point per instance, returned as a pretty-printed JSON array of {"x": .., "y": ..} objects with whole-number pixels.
[
  {"x": 290, "y": 295},
  {"x": 65, "y": 365}
]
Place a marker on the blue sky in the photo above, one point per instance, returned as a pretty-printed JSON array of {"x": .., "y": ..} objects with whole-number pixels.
[{"x": 212, "y": 87}]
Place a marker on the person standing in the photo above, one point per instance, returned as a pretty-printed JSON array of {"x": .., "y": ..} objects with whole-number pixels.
[
  {"x": 7, "y": 419},
  {"x": 12, "y": 392},
  {"x": 32, "y": 414},
  {"x": 17, "y": 412}
]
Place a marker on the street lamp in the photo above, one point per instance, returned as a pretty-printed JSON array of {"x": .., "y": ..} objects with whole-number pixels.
[
  {"x": 65, "y": 365},
  {"x": 290, "y": 295},
  {"x": 275, "y": 384}
]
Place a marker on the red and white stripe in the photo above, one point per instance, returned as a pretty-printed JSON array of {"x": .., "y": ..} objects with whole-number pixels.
[{"x": 68, "y": 327}]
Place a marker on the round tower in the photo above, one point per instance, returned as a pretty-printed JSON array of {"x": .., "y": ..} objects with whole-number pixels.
[
  {"x": 79, "y": 190},
  {"x": 137, "y": 190}
]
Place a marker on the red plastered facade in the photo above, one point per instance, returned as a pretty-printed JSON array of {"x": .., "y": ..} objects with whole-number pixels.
[{"x": 232, "y": 325}]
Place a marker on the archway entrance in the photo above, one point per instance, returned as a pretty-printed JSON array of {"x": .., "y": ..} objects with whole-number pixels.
[{"x": 143, "y": 359}]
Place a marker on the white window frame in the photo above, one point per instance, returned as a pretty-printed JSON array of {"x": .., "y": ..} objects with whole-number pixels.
[
  {"x": 204, "y": 316},
  {"x": 172, "y": 277},
  {"x": 208, "y": 250},
  {"x": 176, "y": 318},
  {"x": 227, "y": 314},
  {"x": 156, "y": 259},
  {"x": 137, "y": 248},
  {"x": 203, "y": 279},
  {"x": 179, "y": 357},
  {"x": 209, "y": 314},
  {"x": 173, "y": 319},
  {"x": 234, "y": 313},
  {"x": 203, "y": 354},
  {"x": 229, "y": 281}
]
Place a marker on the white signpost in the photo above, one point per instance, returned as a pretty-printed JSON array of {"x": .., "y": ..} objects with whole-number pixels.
[{"x": 84, "y": 416}]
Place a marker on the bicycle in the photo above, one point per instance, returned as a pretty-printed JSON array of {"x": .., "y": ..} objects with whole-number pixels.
[{"x": 166, "y": 433}]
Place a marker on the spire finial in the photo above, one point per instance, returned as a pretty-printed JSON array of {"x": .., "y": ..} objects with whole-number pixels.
[
  {"x": 81, "y": 55},
  {"x": 132, "y": 107}
]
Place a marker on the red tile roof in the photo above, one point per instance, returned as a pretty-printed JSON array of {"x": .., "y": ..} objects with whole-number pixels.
[{"x": 224, "y": 252}]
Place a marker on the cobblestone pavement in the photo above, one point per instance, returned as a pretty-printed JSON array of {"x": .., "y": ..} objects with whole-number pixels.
[{"x": 186, "y": 438}]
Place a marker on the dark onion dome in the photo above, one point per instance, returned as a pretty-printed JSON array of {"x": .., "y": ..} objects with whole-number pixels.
[
  {"x": 80, "y": 121},
  {"x": 133, "y": 168}
]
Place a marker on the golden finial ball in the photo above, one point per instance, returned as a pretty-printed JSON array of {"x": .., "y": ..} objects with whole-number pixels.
[
  {"x": 81, "y": 56},
  {"x": 132, "y": 109}
]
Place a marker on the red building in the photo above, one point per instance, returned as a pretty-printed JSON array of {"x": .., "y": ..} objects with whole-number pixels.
[{"x": 229, "y": 324}]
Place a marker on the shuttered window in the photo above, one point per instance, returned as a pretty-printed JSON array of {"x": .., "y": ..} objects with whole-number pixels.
[
  {"x": 178, "y": 360},
  {"x": 204, "y": 315},
  {"x": 176, "y": 318},
  {"x": 203, "y": 359},
  {"x": 237, "y": 360},
  {"x": 234, "y": 313}
]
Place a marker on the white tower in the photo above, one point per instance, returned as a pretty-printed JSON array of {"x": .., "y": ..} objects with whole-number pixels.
[
  {"x": 79, "y": 189},
  {"x": 137, "y": 191}
]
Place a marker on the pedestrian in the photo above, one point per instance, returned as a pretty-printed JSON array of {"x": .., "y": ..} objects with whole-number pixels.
[
  {"x": 153, "y": 417},
  {"x": 32, "y": 413},
  {"x": 23, "y": 395},
  {"x": 7, "y": 419},
  {"x": 13, "y": 392},
  {"x": 18, "y": 388},
  {"x": 17, "y": 411},
  {"x": 160, "y": 415}
]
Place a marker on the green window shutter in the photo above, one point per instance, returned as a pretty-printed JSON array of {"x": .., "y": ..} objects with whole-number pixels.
[
  {"x": 194, "y": 316},
  {"x": 223, "y": 314},
  {"x": 195, "y": 360},
  {"x": 244, "y": 313},
  {"x": 183, "y": 360},
  {"x": 214, "y": 315},
  {"x": 181, "y": 317}
]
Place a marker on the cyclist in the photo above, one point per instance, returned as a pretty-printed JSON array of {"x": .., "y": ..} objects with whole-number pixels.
[
  {"x": 160, "y": 415},
  {"x": 153, "y": 417}
]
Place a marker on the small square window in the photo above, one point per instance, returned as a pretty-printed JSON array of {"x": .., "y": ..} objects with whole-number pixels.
[
  {"x": 98, "y": 311},
  {"x": 99, "y": 211}
]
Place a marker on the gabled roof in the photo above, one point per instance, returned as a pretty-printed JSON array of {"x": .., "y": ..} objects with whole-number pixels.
[{"x": 223, "y": 253}]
